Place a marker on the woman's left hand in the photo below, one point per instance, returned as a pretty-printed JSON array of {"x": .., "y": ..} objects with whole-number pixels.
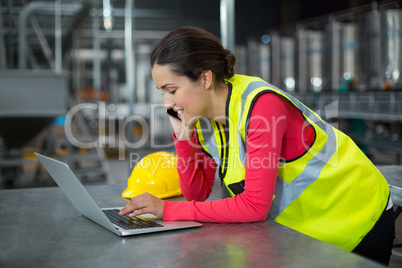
[{"x": 145, "y": 203}]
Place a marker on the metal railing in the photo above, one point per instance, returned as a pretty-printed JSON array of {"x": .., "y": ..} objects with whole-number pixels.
[{"x": 369, "y": 105}]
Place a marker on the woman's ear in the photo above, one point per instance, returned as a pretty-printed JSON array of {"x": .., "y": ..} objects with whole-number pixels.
[{"x": 207, "y": 77}]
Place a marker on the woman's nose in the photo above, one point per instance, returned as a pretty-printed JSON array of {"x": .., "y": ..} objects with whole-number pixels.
[{"x": 167, "y": 103}]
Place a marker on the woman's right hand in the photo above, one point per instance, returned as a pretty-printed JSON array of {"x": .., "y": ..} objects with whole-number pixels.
[{"x": 181, "y": 131}]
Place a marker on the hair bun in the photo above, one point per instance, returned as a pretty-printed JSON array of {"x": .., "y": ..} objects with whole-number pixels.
[
  {"x": 230, "y": 61},
  {"x": 188, "y": 51}
]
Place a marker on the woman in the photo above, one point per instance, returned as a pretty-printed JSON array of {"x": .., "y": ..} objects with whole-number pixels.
[{"x": 277, "y": 158}]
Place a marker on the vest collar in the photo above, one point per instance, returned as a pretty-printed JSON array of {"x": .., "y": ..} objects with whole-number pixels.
[{"x": 225, "y": 149}]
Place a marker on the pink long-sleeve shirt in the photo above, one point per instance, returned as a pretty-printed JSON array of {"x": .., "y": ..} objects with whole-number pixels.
[{"x": 276, "y": 130}]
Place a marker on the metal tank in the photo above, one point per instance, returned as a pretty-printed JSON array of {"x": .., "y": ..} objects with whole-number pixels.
[
  {"x": 264, "y": 62},
  {"x": 314, "y": 48},
  {"x": 301, "y": 57},
  {"x": 349, "y": 53},
  {"x": 241, "y": 59},
  {"x": 332, "y": 55},
  {"x": 310, "y": 56},
  {"x": 258, "y": 54},
  {"x": 252, "y": 57},
  {"x": 287, "y": 63},
  {"x": 370, "y": 76},
  {"x": 391, "y": 37},
  {"x": 342, "y": 70},
  {"x": 275, "y": 52}
]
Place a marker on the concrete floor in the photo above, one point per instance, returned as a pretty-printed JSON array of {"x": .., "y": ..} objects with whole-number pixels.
[{"x": 120, "y": 170}]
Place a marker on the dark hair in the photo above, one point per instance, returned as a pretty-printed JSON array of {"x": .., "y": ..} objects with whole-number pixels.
[{"x": 189, "y": 51}]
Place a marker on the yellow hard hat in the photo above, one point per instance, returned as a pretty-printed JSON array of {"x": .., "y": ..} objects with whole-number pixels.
[{"x": 156, "y": 174}]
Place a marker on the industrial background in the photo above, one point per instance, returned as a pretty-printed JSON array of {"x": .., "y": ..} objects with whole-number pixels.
[{"x": 75, "y": 77}]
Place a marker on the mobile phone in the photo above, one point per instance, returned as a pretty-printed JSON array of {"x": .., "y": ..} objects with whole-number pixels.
[{"x": 172, "y": 113}]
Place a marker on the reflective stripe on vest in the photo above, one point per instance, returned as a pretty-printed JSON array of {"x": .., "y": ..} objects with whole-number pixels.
[
  {"x": 286, "y": 193},
  {"x": 209, "y": 139}
]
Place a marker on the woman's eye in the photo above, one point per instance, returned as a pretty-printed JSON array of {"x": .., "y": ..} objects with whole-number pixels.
[{"x": 172, "y": 92}]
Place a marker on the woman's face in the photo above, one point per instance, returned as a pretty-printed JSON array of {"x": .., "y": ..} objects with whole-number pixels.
[{"x": 187, "y": 98}]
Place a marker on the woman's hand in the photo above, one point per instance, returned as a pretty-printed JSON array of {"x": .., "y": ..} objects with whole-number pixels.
[
  {"x": 181, "y": 131},
  {"x": 145, "y": 203}
]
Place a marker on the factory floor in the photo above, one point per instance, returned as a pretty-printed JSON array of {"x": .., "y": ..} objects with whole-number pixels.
[{"x": 120, "y": 170}]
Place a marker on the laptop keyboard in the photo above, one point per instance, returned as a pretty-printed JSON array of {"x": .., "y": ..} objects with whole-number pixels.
[{"x": 129, "y": 223}]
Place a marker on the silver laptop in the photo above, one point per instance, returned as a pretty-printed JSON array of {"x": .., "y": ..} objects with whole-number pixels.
[{"x": 84, "y": 203}]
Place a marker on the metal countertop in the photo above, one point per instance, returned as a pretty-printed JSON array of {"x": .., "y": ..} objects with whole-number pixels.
[{"x": 40, "y": 228}]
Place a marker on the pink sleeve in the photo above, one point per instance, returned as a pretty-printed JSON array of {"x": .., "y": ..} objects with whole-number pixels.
[
  {"x": 196, "y": 170},
  {"x": 264, "y": 140}
]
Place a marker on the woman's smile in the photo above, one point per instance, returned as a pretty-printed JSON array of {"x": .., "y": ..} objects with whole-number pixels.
[{"x": 184, "y": 96}]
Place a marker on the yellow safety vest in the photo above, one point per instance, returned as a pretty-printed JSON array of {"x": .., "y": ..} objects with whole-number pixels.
[{"x": 331, "y": 192}]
